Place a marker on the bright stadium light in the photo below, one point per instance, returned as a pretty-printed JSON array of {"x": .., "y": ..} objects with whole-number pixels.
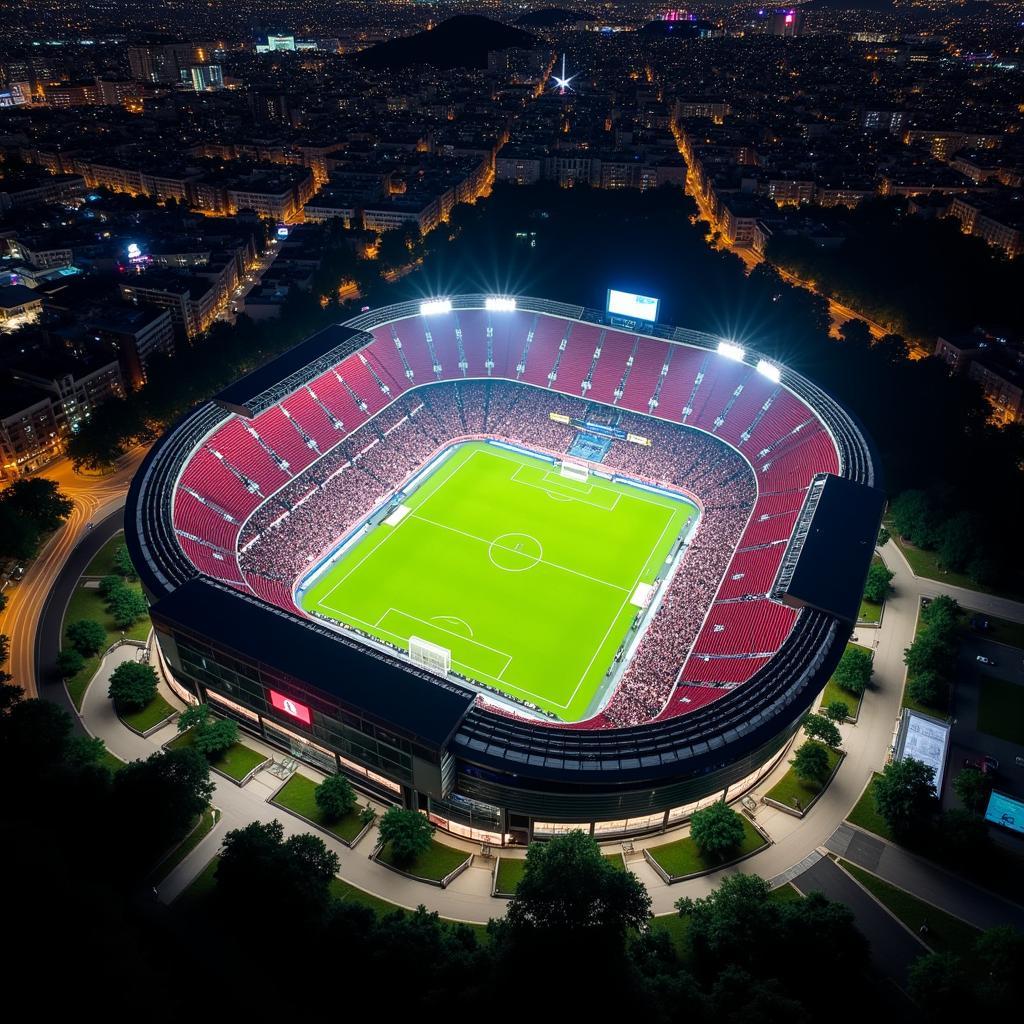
[
  {"x": 434, "y": 306},
  {"x": 731, "y": 351},
  {"x": 770, "y": 370},
  {"x": 499, "y": 304}
]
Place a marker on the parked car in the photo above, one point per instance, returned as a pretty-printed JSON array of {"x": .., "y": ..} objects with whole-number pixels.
[
  {"x": 983, "y": 659},
  {"x": 986, "y": 764}
]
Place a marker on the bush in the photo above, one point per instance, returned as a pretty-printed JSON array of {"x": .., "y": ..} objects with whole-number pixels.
[
  {"x": 87, "y": 636},
  {"x": 123, "y": 563},
  {"x": 69, "y": 662},
  {"x": 853, "y": 673},
  {"x": 837, "y": 711},
  {"x": 132, "y": 686},
  {"x": 126, "y": 606},
  {"x": 811, "y": 762},
  {"x": 406, "y": 833},
  {"x": 216, "y": 736},
  {"x": 818, "y": 727},
  {"x": 878, "y": 582},
  {"x": 883, "y": 537},
  {"x": 335, "y": 797},
  {"x": 973, "y": 788},
  {"x": 926, "y": 688},
  {"x": 717, "y": 830}
]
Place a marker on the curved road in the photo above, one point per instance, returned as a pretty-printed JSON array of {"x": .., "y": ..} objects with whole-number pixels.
[{"x": 94, "y": 499}]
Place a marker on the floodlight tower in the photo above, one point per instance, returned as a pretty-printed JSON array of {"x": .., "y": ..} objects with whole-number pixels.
[{"x": 562, "y": 81}]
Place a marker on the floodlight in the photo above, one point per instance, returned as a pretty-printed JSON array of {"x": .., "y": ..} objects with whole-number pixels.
[
  {"x": 498, "y": 304},
  {"x": 433, "y": 306},
  {"x": 731, "y": 351},
  {"x": 770, "y": 370}
]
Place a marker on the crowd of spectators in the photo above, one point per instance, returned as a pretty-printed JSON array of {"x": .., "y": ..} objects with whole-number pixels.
[{"x": 309, "y": 516}]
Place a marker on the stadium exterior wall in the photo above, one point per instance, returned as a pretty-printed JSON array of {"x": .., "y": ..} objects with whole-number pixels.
[{"x": 494, "y": 776}]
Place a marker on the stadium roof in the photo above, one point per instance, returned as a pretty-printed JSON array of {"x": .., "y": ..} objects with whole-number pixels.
[{"x": 422, "y": 707}]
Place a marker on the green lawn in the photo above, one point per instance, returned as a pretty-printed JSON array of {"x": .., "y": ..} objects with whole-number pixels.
[
  {"x": 833, "y": 691},
  {"x": 865, "y": 815},
  {"x": 683, "y": 858},
  {"x": 792, "y": 791},
  {"x": 236, "y": 762},
  {"x": 438, "y": 862},
  {"x": 946, "y": 934},
  {"x": 86, "y": 603},
  {"x": 102, "y": 563},
  {"x": 152, "y": 714},
  {"x": 1001, "y": 709},
  {"x": 926, "y": 564},
  {"x": 491, "y": 532},
  {"x": 202, "y": 828},
  {"x": 869, "y": 611},
  {"x": 297, "y": 795},
  {"x": 510, "y": 871}
]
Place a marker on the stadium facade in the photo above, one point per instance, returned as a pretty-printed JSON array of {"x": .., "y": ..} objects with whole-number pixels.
[{"x": 778, "y": 621}]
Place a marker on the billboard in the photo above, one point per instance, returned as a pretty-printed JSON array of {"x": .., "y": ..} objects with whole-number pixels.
[
  {"x": 1006, "y": 811},
  {"x": 291, "y": 707},
  {"x": 636, "y": 307}
]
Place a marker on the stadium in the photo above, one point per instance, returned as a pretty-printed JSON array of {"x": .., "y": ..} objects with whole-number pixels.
[{"x": 522, "y": 565}]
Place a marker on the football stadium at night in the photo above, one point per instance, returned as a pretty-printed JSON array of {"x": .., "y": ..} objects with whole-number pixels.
[{"x": 521, "y": 565}]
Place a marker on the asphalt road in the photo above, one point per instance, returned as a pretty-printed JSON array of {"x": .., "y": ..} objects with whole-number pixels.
[
  {"x": 94, "y": 499},
  {"x": 51, "y": 613}
]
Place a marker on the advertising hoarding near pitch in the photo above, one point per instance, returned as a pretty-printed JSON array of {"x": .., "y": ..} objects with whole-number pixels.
[{"x": 636, "y": 307}]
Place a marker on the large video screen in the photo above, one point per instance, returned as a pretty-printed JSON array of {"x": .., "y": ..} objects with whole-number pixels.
[
  {"x": 1006, "y": 811},
  {"x": 638, "y": 307}
]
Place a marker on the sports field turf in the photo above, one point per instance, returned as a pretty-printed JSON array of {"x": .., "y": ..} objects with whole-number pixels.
[{"x": 524, "y": 575}]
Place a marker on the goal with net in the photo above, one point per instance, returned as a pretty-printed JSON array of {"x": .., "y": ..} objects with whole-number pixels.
[
  {"x": 574, "y": 471},
  {"x": 433, "y": 657}
]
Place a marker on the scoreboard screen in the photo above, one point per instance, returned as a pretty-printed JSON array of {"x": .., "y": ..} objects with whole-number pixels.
[{"x": 636, "y": 307}]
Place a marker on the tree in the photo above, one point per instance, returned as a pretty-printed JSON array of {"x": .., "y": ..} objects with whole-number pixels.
[
  {"x": 939, "y": 985},
  {"x": 34, "y": 733},
  {"x": 717, "y": 830},
  {"x": 958, "y": 540},
  {"x": 19, "y": 536},
  {"x": 941, "y": 614},
  {"x": 406, "y": 833},
  {"x": 837, "y": 711},
  {"x": 818, "y": 727},
  {"x": 87, "y": 636},
  {"x": 109, "y": 586},
  {"x": 811, "y": 762},
  {"x": 883, "y": 537},
  {"x": 69, "y": 662},
  {"x": 878, "y": 582},
  {"x": 963, "y": 838},
  {"x": 569, "y": 887},
  {"x": 930, "y": 652},
  {"x": 973, "y": 787},
  {"x": 127, "y": 606},
  {"x": 84, "y": 750},
  {"x": 335, "y": 797},
  {"x": 904, "y": 795},
  {"x": 292, "y": 876},
  {"x": 1001, "y": 950},
  {"x": 193, "y": 715},
  {"x": 853, "y": 673},
  {"x": 132, "y": 686},
  {"x": 215, "y": 737},
  {"x": 160, "y": 798},
  {"x": 927, "y": 688},
  {"x": 123, "y": 563},
  {"x": 914, "y": 516},
  {"x": 38, "y": 500}
]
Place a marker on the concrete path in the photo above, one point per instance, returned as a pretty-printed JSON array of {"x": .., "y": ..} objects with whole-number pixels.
[{"x": 795, "y": 842}]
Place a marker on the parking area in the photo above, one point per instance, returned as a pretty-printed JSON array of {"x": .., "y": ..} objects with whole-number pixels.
[{"x": 988, "y": 712}]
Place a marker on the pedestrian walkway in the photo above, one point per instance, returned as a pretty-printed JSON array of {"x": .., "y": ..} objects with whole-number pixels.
[{"x": 795, "y": 841}]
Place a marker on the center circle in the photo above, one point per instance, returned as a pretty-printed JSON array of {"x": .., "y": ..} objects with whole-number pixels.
[{"x": 515, "y": 552}]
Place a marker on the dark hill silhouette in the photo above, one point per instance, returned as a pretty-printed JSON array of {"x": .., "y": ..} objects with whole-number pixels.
[
  {"x": 460, "y": 42},
  {"x": 848, "y": 5}
]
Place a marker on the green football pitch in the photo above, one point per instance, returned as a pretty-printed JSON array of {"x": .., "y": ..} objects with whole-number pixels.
[{"x": 525, "y": 576}]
